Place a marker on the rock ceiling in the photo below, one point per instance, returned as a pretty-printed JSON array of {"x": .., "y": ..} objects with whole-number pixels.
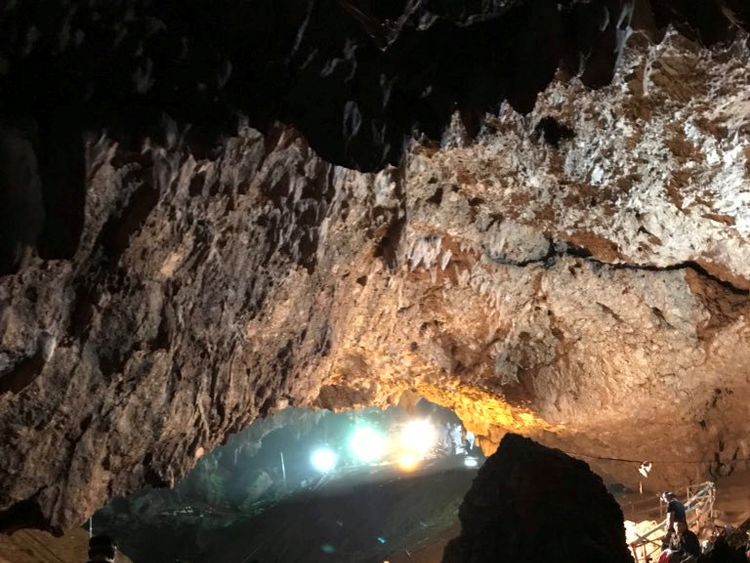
[{"x": 578, "y": 273}]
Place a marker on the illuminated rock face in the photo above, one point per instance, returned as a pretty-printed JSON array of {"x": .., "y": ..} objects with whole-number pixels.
[
  {"x": 600, "y": 286},
  {"x": 202, "y": 295},
  {"x": 580, "y": 274}
]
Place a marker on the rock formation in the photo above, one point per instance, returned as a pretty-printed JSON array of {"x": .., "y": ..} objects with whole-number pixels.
[
  {"x": 535, "y": 504},
  {"x": 579, "y": 273},
  {"x": 356, "y": 77},
  {"x": 573, "y": 280}
]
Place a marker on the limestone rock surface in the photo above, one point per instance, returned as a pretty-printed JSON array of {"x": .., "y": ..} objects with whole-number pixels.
[
  {"x": 201, "y": 296},
  {"x": 579, "y": 274},
  {"x": 597, "y": 302}
]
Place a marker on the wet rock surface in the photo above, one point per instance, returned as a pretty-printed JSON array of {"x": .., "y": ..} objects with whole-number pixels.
[
  {"x": 579, "y": 274},
  {"x": 535, "y": 504}
]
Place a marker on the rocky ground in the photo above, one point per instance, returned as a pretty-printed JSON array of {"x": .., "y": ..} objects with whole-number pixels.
[
  {"x": 363, "y": 518},
  {"x": 35, "y": 546}
]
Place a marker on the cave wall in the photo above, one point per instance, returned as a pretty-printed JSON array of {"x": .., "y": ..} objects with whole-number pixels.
[
  {"x": 597, "y": 284},
  {"x": 578, "y": 274},
  {"x": 199, "y": 298},
  {"x": 359, "y": 79}
]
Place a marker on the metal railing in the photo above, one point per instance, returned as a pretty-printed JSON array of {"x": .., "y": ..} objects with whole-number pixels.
[{"x": 698, "y": 508}]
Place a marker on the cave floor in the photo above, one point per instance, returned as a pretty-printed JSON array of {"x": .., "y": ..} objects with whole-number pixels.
[
  {"x": 34, "y": 546},
  {"x": 732, "y": 507},
  {"x": 382, "y": 515}
]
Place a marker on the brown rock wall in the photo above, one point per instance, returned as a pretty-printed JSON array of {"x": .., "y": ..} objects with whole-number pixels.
[{"x": 572, "y": 291}]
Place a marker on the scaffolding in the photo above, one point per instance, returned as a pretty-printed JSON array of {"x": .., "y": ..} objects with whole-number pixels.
[{"x": 699, "y": 509}]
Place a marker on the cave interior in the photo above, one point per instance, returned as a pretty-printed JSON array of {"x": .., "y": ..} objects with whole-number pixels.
[{"x": 373, "y": 280}]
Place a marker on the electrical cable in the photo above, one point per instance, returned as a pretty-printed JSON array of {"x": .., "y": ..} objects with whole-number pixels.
[{"x": 666, "y": 462}]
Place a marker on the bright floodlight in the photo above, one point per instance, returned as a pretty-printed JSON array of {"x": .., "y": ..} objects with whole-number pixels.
[
  {"x": 408, "y": 462},
  {"x": 367, "y": 444},
  {"x": 323, "y": 460},
  {"x": 418, "y": 437},
  {"x": 471, "y": 462}
]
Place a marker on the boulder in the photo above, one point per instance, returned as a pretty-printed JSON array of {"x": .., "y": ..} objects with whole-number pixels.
[{"x": 534, "y": 504}]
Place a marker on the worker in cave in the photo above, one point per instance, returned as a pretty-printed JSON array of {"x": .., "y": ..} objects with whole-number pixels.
[
  {"x": 456, "y": 439},
  {"x": 684, "y": 545},
  {"x": 470, "y": 438},
  {"x": 446, "y": 443},
  {"x": 675, "y": 513}
]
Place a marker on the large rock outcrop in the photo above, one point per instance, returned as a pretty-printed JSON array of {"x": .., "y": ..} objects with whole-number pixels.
[
  {"x": 201, "y": 296},
  {"x": 590, "y": 290},
  {"x": 534, "y": 504},
  {"x": 356, "y": 77},
  {"x": 579, "y": 274}
]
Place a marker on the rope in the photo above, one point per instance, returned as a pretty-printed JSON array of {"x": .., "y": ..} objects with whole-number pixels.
[{"x": 665, "y": 461}]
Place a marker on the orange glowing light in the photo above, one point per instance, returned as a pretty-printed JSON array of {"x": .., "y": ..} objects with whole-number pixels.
[{"x": 408, "y": 462}]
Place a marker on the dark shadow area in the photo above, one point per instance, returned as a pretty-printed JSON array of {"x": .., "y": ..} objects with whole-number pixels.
[
  {"x": 356, "y": 77},
  {"x": 347, "y": 522},
  {"x": 307, "y": 486},
  {"x": 24, "y": 514}
]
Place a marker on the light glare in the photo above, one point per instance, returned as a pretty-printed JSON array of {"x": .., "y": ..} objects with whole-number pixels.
[
  {"x": 470, "y": 462},
  {"x": 418, "y": 437},
  {"x": 323, "y": 460},
  {"x": 408, "y": 462},
  {"x": 367, "y": 444}
]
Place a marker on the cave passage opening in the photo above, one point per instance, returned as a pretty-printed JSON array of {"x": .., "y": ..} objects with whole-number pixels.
[{"x": 310, "y": 485}]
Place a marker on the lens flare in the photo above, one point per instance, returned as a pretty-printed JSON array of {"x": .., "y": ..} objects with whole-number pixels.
[
  {"x": 471, "y": 462},
  {"x": 367, "y": 444},
  {"x": 323, "y": 460},
  {"x": 418, "y": 437},
  {"x": 408, "y": 462}
]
